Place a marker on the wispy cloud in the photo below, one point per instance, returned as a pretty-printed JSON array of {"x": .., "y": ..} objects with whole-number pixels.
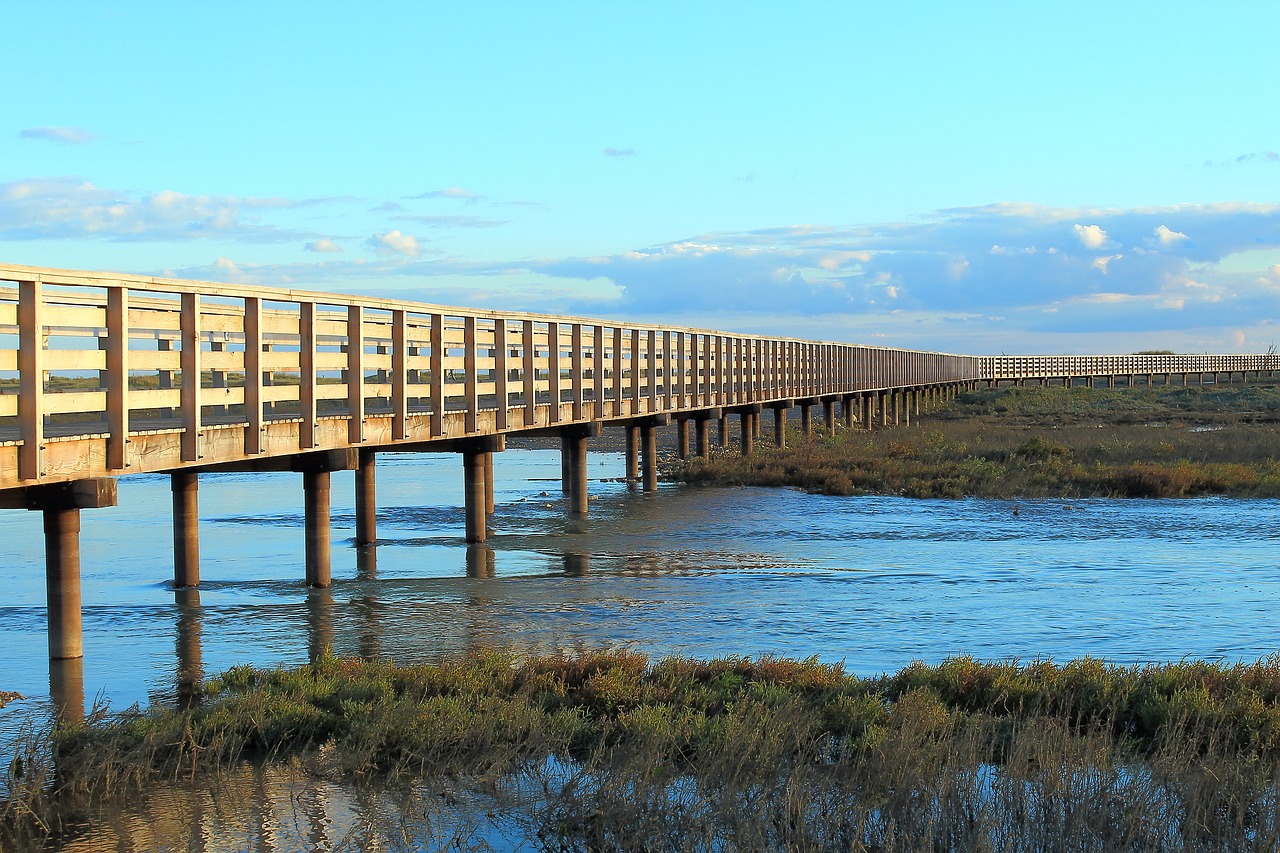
[
  {"x": 65, "y": 135},
  {"x": 619, "y": 152},
  {"x": 1253, "y": 157},
  {"x": 452, "y": 221},
  {"x": 450, "y": 192},
  {"x": 62, "y": 208}
]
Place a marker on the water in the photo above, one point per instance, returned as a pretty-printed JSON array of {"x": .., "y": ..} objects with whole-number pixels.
[{"x": 876, "y": 582}]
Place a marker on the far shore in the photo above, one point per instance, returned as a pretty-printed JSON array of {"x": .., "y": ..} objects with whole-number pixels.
[{"x": 1033, "y": 442}]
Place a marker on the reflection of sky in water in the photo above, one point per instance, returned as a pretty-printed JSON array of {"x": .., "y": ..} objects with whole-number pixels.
[{"x": 876, "y": 582}]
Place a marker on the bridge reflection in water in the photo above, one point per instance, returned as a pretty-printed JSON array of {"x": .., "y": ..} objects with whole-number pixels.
[{"x": 105, "y": 375}]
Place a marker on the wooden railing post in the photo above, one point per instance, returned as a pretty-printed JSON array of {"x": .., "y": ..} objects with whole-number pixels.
[
  {"x": 307, "y": 374},
  {"x": 253, "y": 375},
  {"x": 190, "y": 393},
  {"x": 117, "y": 378},
  {"x": 355, "y": 374},
  {"x": 31, "y": 361},
  {"x": 399, "y": 375}
]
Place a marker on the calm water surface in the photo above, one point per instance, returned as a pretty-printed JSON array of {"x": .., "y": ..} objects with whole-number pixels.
[{"x": 875, "y": 582}]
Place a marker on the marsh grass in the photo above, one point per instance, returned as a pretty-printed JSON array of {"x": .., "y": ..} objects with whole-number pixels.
[
  {"x": 610, "y": 751},
  {"x": 1038, "y": 442}
]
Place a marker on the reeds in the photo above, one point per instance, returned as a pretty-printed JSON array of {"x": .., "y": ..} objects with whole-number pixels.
[{"x": 608, "y": 751}]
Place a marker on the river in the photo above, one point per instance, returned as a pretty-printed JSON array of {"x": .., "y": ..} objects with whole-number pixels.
[{"x": 876, "y": 582}]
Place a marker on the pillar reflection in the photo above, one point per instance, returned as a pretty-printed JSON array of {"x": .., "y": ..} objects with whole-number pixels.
[
  {"x": 66, "y": 689},
  {"x": 480, "y": 561},
  {"x": 187, "y": 647},
  {"x": 319, "y": 622},
  {"x": 576, "y": 564}
]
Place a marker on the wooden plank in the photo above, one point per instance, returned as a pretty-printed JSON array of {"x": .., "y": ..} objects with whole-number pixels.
[
  {"x": 399, "y": 376},
  {"x": 59, "y": 360},
  {"x": 355, "y": 374},
  {"x": 86, "y": 402},
  {"x": 307, "y": 374},
  {"x": 190, "y": 407},
  {"x": 117, "y": 377}
]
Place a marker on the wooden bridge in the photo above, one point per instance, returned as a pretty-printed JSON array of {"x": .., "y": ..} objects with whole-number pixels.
[{"x": 105, "y": 375}]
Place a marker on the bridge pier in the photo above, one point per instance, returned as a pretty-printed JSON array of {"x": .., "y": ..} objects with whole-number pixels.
[
  {"x": 477, "y": 465},
  {"x": 633, "y": 454},
  {"x": 573, "y": 451},
  {"x": 186, "y": 528},
  {"x": 724, "y": 430},
  {"x": 315, "y": 498},
  {"x": 850, "y": 418},
  {"x": 702, "y": 435},
  {"x": 366, "y": 498},
  {"x": 829, "y": 416},
  {"x": 682, "y": 438},
  {"x": 649, "y": 449},
  {"x": 806, "y": 419},
  {"x": 747, "y": 433},
  {"x": 780, "y": 426},
  {"x": 60, "y": 504}
]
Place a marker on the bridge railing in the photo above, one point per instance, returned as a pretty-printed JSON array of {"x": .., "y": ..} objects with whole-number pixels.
[
  {"x": 1004, "y": 368},
  {"x": 113, "y": 358}
]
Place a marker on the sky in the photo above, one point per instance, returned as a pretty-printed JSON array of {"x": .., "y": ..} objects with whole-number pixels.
[{"x": 964, "y": 177}]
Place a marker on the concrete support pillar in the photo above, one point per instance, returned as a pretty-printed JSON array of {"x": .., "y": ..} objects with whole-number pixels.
[
  {"x": 315, "y": 497},
  {"x": 1184, "y": 380},
  {"x": 488, "y": 484},
  {"x": 682, "y": 438},
  {"x": 829, "y": 416},
  {"x": 702, "y": 434},
  {"x": 186, "y": 528},
  {"x": 897, "y": 409},
  {"x": 649, "y": 445},
  {"x": 780, "y": 426},
  {"x": 907, "y": 396},
  {"x": 806, "y": 420},
  {"x": 868, "y": 411},
  {"x": 915, "y": 400},
  {"x": 748, "y": 433},
  {"x": 366, "y": 499},
  {"x": 884, "y": 409},
  {"x": 724, "y": 430},
  {"x": 473, "y": 494},
  {"x": 850, "y": 417},
  {"x": 755, "y": 426},
  {"x": 573, "y": 448},
  {"x": 633, "y": 454},
  {"x": 62, "y": 582}
]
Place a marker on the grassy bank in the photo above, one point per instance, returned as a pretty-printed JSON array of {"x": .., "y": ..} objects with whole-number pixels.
[
  {"x": 733, "y": 753},
  {"x": 1038, "y": 442}
]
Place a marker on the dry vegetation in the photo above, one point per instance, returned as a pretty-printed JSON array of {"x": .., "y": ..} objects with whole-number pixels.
[
  {"x": 730, "y": 754},
  {"x": 1039, "y": 442}
]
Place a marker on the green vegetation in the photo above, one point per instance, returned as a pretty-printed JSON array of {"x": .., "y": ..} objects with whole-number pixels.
[
  {"x": 1038, "y": 442},
  {"x": 763, "y": 754}
]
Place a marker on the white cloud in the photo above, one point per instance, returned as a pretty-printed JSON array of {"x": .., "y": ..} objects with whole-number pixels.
[
  {"x": 1091, "y": 236},
  {"x": 395, "y": 243},
  {"x": 71, "y": 208},
  {"x": 65, "y": 135},
  {"x": 1101, "y": 263},
  {"x": 619, "y": 152},
  {"x": 324, "y": 244},
  {"x": 1166, "y": 236}
]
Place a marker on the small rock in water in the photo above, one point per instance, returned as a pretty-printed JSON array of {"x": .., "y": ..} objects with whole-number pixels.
[{"x": 7, "y": 696}]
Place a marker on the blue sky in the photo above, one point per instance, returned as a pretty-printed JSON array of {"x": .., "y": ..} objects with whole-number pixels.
[{"x": 977, "y": 177}]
